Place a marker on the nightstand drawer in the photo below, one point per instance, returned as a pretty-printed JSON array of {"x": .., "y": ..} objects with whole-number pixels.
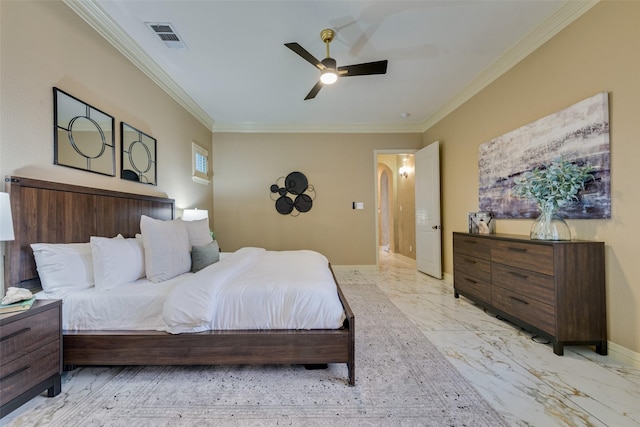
[
  {"x": 535, "y": 313},
  {"x": 28, "y": 371},
  {"x": 21, "y": 337},
  {"x": 476, "y": 267},
  {"x": 535, "y": 285},
  {"x": 472, "y": 287},
  {"x": 524, "y": 255},
  {"x": 473, "y": 246}
]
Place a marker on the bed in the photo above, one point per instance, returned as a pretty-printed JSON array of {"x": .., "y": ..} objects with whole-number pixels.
[{"x": 52, "y": 212}]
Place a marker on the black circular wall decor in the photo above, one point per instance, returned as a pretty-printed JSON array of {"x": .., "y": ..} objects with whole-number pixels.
[{"x": 296, "y": 184}]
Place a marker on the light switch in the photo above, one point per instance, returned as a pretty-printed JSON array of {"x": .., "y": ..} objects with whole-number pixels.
[{"x": 358, "y": 205}]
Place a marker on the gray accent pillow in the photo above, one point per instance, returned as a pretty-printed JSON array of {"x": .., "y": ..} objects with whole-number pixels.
[{"x": 203, "y": 256}]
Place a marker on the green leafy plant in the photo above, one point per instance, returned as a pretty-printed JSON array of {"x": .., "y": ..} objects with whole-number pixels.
[{"x": 553, "y": 185}]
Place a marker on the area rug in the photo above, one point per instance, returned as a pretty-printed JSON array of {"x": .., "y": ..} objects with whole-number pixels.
[{"x": 401, "y": 380}]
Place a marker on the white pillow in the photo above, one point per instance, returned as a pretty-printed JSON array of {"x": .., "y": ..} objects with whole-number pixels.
[
  {"x": 62, "y": 267},
  {"x": 116, "y": 261},
  {"x": 166, "y": 248},
  {"x": 198, "y": 231}
]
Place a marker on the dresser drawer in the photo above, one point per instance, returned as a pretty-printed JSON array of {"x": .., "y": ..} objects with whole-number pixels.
[
  {"x": 476, "y": 267},
  {"x": 535, "y": 313},
  {"x": 28, "y": 371},
  {"x": 473, "y": 246},
  {"x": 532, "y": 257},
  {"x": 470, "y": 286},
  {"x": 535, "y": 285},
  {"x": 21, "y": 337}
]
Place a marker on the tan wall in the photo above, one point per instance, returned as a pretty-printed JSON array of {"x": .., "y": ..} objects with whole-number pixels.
[
  {"x": 45, "y": 44},
  {"x": 341, "y": 167},
  {"x": 598, "y": 52}
]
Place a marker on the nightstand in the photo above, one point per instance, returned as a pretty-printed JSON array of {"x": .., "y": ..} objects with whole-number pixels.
[{"x": 30, "y": 354}]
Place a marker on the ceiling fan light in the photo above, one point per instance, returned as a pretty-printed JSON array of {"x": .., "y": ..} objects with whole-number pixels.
[{"x": 328, "y": 76}]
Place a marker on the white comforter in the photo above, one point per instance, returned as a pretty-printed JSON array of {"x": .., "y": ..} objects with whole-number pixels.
[
  {"x": 256, "y": 289},
  {"x": 134, "y": 306}
]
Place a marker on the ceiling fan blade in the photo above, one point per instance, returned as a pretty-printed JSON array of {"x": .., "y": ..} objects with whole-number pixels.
[
  {"x": 305, "y": 55},
  {"x": 314, "y": 91},
  {"x": 377, "y": 67}
]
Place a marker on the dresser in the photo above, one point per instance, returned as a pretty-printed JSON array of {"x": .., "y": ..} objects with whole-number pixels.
[
  {"x": 555, "y": 289},
  {"x": 30, "y": 354}
]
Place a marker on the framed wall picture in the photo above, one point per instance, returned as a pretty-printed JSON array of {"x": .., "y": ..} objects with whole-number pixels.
[
  {"x": 481, "y": 223},
  {"x": 139, "y": 156},
  {"x": 83, "y": 136}
]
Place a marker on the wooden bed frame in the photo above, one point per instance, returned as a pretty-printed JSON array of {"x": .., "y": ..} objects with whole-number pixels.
[{"x": 50, "y": 212}]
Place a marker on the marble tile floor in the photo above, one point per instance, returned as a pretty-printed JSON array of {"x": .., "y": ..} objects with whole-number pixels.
[{"x": 518, "y": 375}]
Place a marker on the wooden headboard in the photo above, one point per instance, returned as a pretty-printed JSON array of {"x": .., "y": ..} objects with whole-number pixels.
[{"x": 50, "y": 212}]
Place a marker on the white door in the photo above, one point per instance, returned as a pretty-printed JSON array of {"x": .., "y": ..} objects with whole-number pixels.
[{"x": 428, "y": 227}]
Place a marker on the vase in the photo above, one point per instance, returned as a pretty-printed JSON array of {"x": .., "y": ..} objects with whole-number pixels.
[{"x": 550, "y": 226}]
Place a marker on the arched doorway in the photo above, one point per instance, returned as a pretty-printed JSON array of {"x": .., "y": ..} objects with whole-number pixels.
[
  {"x": 385, "y": 208},
  {"x": 384, "y": 211}
]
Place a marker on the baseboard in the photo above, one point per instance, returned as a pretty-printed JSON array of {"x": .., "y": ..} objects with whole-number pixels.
[
  {"x": 623, "y": 355},
  {"x": 354, "y": 267},
  {"x": 446, "y": 277}
]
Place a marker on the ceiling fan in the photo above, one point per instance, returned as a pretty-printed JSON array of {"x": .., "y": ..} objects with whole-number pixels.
[{"x": 329, "y": 71}]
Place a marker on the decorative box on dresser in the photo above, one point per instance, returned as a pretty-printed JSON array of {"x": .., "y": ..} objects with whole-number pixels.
[
  {"x": 553, "y": 288},
  {"x": 30, "y": 354}
]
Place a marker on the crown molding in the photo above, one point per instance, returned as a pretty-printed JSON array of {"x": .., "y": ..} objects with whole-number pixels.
[
  {"x": 95, "y": 16},
  {"x": 565, "y": 15},
  {"x": 316, "y": 128}
]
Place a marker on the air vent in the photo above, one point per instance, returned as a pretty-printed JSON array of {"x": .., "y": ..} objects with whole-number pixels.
[{"x": 167, "y": 34}]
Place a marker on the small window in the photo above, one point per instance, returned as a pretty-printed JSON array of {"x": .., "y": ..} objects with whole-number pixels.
[{"x": 200, "y": 164}]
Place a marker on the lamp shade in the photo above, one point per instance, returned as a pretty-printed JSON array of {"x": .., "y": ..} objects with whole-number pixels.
[
  {"x": 6, "y": 221},
  {"x": 194, "y": 214}
]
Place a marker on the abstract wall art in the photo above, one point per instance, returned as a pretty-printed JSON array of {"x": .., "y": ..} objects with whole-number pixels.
[{"x": 579, "y": 133}]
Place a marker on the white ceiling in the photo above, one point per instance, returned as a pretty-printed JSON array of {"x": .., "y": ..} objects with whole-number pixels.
[{"x": 237, "y": 75}]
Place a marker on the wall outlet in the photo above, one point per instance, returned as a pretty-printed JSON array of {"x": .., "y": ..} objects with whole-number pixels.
[{"x": 410, "y": 248}]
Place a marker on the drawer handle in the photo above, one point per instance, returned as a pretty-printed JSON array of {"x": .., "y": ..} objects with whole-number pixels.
[
  {"x": 469, "y": 261},
  {"x": 15, "y": 334},
  {"x": 512, "y": 249},
  {"x": 518, "y": 275},
  {"x": 519, "y": 300},
  {"x": 13, "y": 374},
  {"x": 472, "y": 281},
  {"x": 473, "y": 242}
]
